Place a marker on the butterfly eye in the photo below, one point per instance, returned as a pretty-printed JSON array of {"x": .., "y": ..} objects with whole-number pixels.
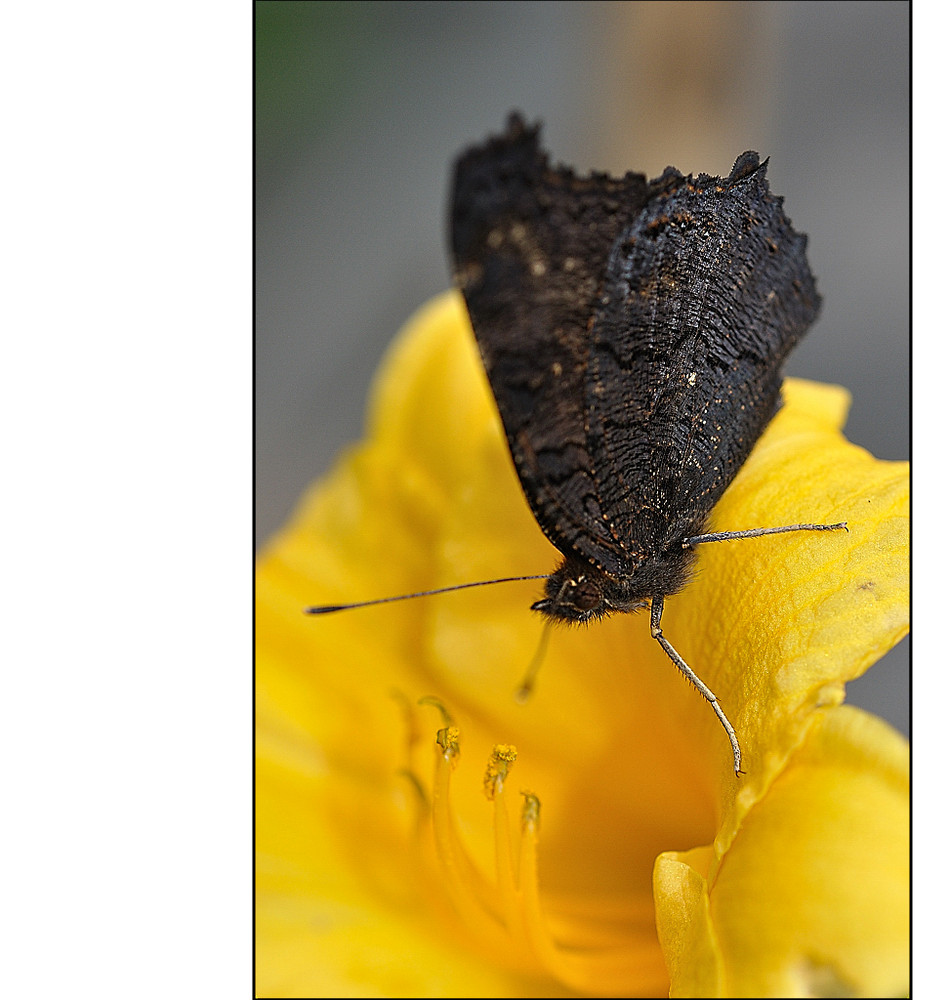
[{"x": 586, "y": 595}]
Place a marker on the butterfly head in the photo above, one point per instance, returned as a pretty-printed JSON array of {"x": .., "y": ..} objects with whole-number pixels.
[{"x": 579, "y": 592}]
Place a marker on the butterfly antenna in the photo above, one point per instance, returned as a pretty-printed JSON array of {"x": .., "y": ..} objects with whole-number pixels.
[
  {"x": 726, "y": 536},
  {"x": 326, "y": 609}
]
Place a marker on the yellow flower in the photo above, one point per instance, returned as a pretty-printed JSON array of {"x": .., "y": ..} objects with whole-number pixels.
[{"x": 614, "y": 853}]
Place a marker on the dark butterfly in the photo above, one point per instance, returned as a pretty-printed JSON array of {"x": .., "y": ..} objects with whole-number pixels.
[{"x": 634, "y": 335}]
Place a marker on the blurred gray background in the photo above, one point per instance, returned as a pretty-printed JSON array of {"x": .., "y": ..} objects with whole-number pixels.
[{"x": 362, "y": 107}]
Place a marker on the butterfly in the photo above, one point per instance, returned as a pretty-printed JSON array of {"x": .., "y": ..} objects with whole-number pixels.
[{"x": 634, "y": 334}]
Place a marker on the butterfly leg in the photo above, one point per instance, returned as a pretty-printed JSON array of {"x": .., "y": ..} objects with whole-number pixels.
[{"x": 657, "y": 609}]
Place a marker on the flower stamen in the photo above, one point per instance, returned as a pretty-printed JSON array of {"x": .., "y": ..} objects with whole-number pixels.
[
  {"x": 501, "y": 761},
  {"x": 465, "y": 885},
  {"x": 592, "y": 952},
  {"x": 587, "y": 969}
]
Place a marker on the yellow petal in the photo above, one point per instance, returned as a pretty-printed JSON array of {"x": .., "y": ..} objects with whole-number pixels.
[
  {"x": 811, "y": 899},
  {"x": 801, "y": 613}
]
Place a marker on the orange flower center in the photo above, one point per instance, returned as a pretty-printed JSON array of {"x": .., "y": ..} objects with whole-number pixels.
[{"x": 588, "y": 948}]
